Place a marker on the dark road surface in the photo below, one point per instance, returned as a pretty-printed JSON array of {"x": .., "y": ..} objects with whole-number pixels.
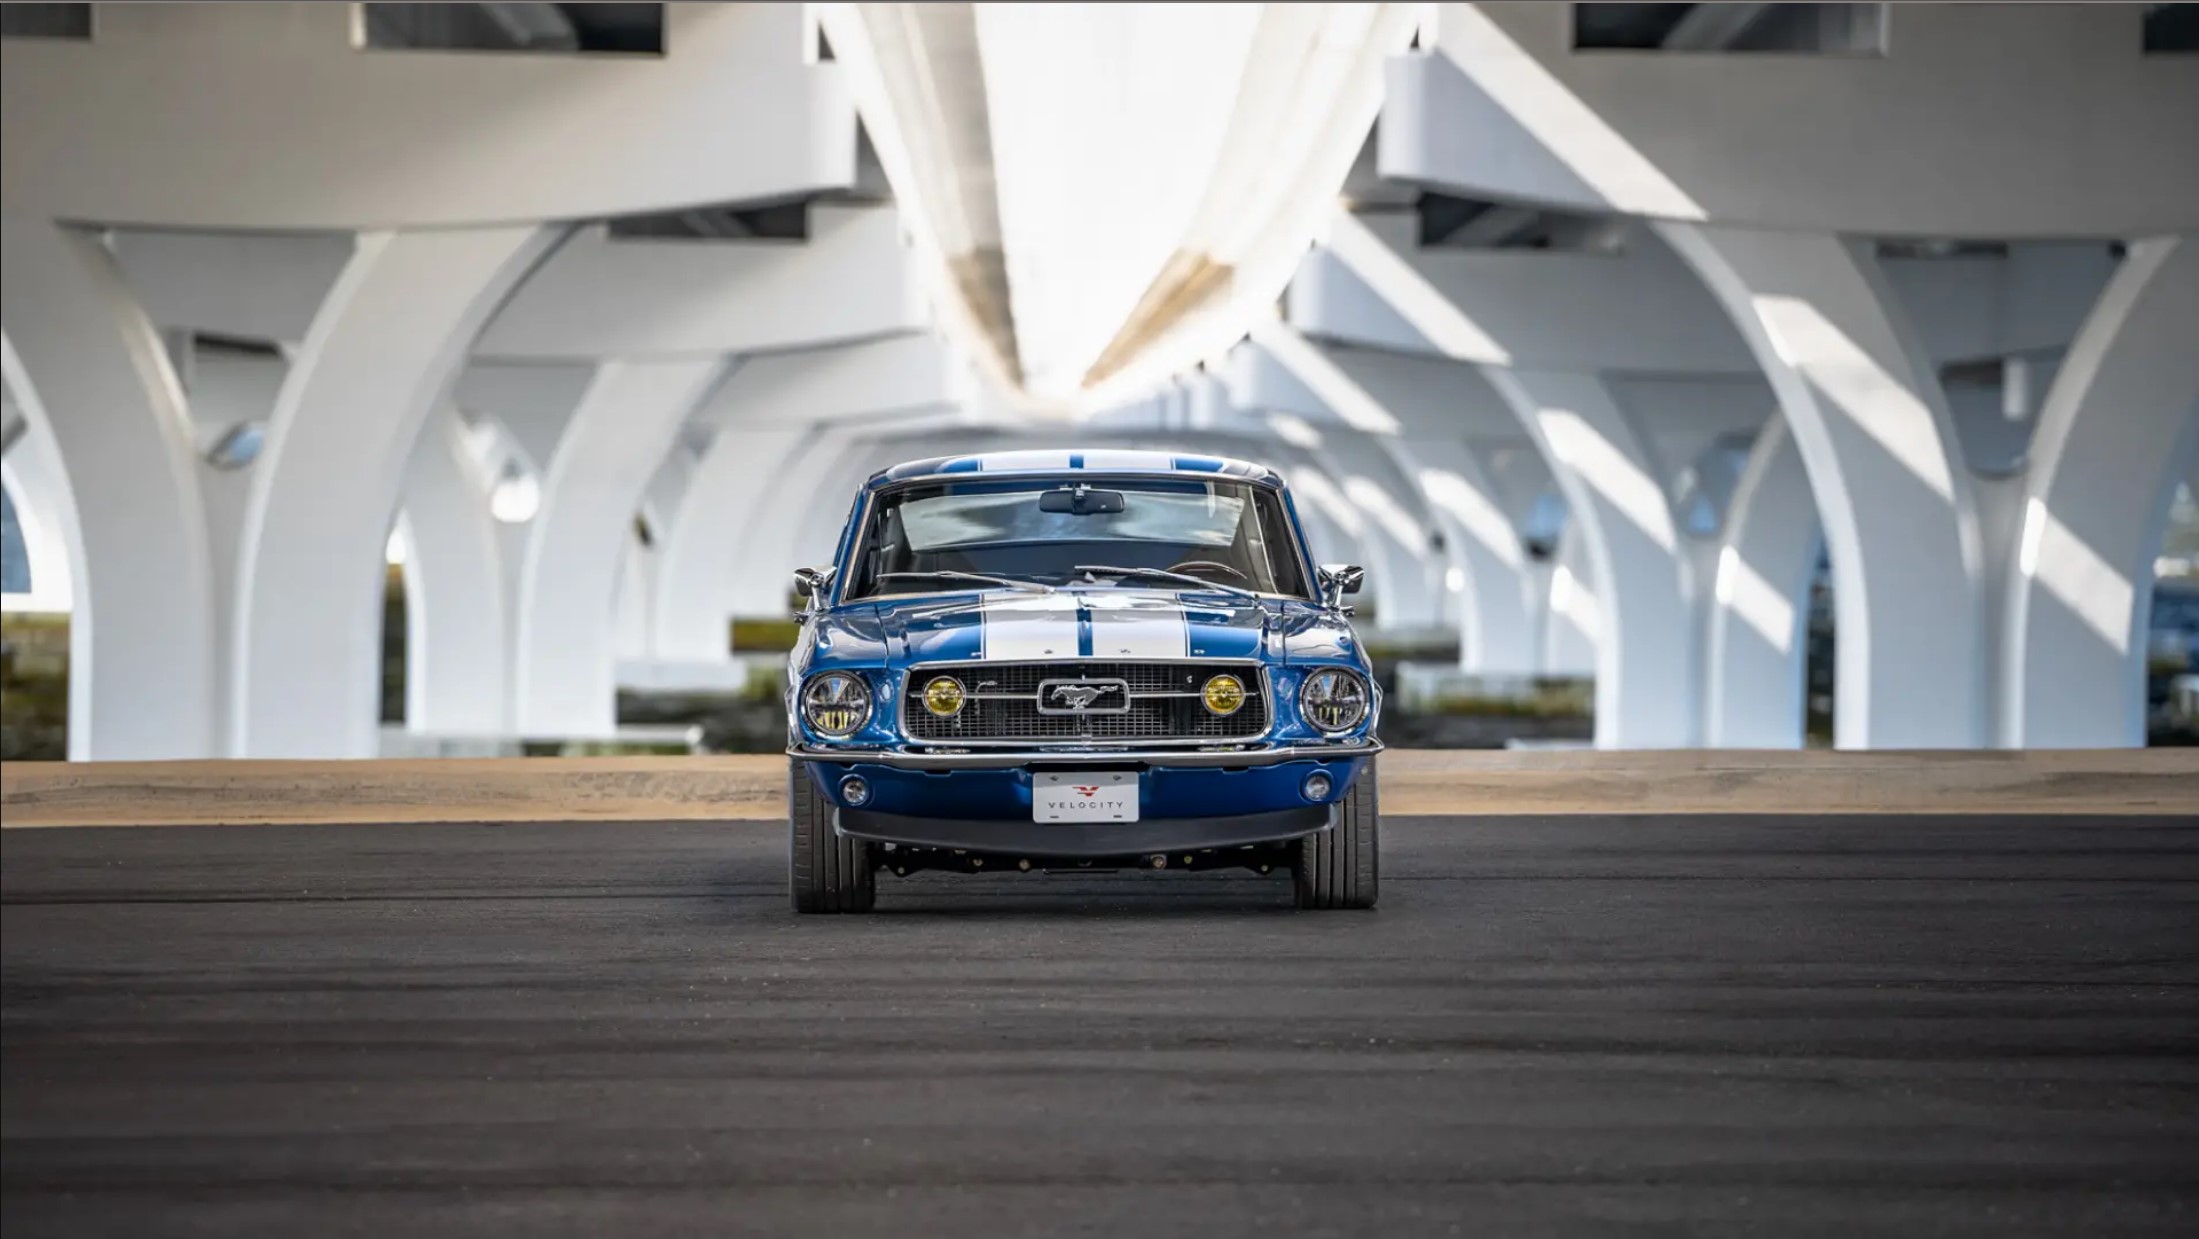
[{"x": 1550, "y": 1027}]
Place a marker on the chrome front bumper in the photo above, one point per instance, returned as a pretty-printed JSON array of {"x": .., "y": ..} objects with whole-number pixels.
[{"x": 944, "y": 758}]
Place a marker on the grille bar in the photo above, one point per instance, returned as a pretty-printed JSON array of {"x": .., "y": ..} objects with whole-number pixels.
[{"x": 1000, "y": 703}]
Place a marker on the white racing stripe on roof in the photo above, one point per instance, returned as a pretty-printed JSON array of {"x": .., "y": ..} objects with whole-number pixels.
[
  {"x": 1019, "y": 627},
  {"x": 1138, "y": 626},
  {"x": 1122, "y": 459},
  {"x": 1002, "y": 462}
]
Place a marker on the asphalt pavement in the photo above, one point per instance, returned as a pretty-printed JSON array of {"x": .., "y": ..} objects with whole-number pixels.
[{"x": 1560, "y": 1026}]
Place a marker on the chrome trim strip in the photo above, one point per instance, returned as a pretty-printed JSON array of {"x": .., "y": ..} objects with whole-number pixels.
[{"x": 958, "y": 760}]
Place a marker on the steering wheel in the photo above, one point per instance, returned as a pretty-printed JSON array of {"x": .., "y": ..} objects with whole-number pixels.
[{"x": 1208, "y": 563}]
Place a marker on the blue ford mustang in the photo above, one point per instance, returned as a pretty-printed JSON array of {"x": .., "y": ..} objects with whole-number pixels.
[{"x": 1070, "y": 660}]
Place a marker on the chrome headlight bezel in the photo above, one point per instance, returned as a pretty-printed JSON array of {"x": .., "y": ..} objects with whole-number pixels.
[
  {"x": 1328, "y": 689},
  {"x": 837, "y": 690}
]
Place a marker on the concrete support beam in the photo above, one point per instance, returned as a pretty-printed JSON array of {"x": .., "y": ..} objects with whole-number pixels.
[
  {"x": 1645, "y": 653},
  {"x": 458, "y": 637},
  {"x": 761, "y": 415},
  {"x": 1278, "y": 372},
  {"x": 1884, "y": 463},
  {"x": 1438, "y": 404},
  {"x": 627, "y": 421},
  {"x": 2115, "y": 436},
  {"x": 88, "y": 372},
  {"x": 143, "y": 125},
  {"x": 1755, "y": 646},
  {"x": 1571, "y": 617},
  {"x": 381, "y": 357}
]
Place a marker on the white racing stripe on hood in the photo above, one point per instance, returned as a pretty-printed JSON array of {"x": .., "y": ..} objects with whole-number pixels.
[
  {"x": 1019, "y": 627},
  {"x": 1138, "y": 626}
]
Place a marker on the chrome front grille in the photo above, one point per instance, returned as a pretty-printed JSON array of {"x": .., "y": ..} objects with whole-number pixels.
[{"x": 1001, "y": 703}]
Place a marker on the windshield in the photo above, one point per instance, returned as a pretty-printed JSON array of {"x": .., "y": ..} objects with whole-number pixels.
[{"x": 1042, "y": 530}]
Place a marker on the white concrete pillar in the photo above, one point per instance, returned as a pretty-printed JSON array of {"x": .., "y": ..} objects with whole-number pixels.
[
  {"x": 628, "y": 419},
  {"x": 88, "y": 372},
  {"x": 380, "y": 358},
  {"x": 1756, "y": 648},
  {"x": 2114, "y": 437},
  {"x": 457, "y": 618},
  {"x": 1645, "y": 655},
  {"x": 1866, "y": 409},
  {"x": 696, "y": 593},
  {"x": 1572, "y": 622},
  {"x": 1496, "y": 628}
]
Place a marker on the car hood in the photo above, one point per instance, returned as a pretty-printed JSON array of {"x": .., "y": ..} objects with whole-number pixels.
[{"x": 1006, "y": 625}]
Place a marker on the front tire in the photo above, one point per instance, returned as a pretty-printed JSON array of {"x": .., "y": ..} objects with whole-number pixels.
[
  {"x": 825, "y": 873},
  {"x": 1341, "y": 867}
]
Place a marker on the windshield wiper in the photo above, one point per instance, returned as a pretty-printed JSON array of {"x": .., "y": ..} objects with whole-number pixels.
[
  {"x": 1034, "y": 587},
  {"x": 1165, "y": 574}
]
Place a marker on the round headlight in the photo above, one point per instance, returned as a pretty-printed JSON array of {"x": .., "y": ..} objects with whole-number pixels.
[
  {"x": 1333, "y": 699},
  {"x": 1224, "y": 694},
  {"x": 836, "y": 703},
  {"x": 943, "y": 696}
]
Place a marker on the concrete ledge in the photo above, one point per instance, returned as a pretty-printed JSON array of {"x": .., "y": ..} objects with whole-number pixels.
[{"x": 2152, "y": 781}]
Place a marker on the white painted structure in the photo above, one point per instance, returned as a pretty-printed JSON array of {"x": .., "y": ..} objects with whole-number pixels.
[{"x": 600, "y": 344}]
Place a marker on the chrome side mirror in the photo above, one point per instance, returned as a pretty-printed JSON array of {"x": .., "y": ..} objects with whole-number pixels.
[
  {"x": 1338, "y": 580},
  {"x": 812, "y": 584}
]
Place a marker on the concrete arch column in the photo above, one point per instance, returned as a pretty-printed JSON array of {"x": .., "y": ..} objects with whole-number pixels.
[
  {"x": 458, "y": 639},
  {"x": 1875, "y": 434},
  {"x": 1571, "y": 619},
  {"x": 1755, "y": 645},
  {"x": 696, "y": 590},
  {"x": 1645, "y": 652},
  {"x": 88, "y": 372},
  {"x": 380, "y": 358},
  {"x": 2114, "y": 438},
  {"x": 566, "y": 669},
  {"x": 1496, "y": 626}
]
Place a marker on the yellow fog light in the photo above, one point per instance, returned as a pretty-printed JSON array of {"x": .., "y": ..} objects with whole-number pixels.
[
  {"x": 1224, "y": 694},
  {"x": 943, "y": 696}
]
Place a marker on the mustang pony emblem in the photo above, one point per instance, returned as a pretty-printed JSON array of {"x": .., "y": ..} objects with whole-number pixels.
[{"x": 1077, "y": 696}]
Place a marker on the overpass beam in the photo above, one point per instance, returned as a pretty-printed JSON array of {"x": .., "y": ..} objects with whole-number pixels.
[
  {"x": 458, "y": 649},
  {"x": 1874, "y": 431},
  {"x": 90, "y": 375},
  {"x": 1755, "y": 647},
  {"x": 379, "y": 360},
  {"x": 2115, "y": 435},
  {"x": 1645, "y": 651},
  {"x": 626, "y": 423}
]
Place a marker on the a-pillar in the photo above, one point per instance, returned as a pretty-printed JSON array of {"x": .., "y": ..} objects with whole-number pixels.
[
  {"x": 1878, "y": 441},
  {"x": 1756, "y": 649},
  {"x": 627, "y": 421},
  {"x": 1646, "y": 651},
  {"x": 89, "y": 373},
  {"x": 457, "y": 622},
  {"x": 381, "y": 357},
  {"x": 2114, "y": 437}
]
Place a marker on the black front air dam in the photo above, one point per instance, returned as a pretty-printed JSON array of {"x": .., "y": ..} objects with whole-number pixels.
[{"x": 1078, "y": 840}]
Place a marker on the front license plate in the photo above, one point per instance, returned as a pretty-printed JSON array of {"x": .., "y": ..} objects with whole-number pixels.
[{"x": 1086, "y": 796}]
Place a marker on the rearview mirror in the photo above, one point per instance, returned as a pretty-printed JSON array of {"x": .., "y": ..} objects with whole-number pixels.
[
  {"x": 1082, "y": 501},
  {"x": 1338, "y": 580}
]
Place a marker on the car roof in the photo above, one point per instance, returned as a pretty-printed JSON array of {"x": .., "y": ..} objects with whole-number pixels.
[{"x": 1108, "y": 460}]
